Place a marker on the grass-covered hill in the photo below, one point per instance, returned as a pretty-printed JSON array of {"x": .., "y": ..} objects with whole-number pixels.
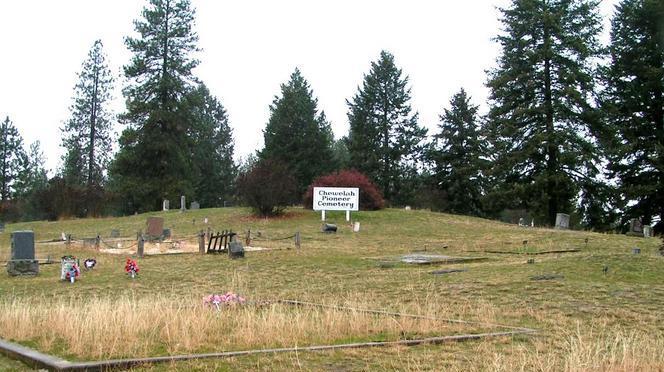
[{"x": 596, "y": 309}]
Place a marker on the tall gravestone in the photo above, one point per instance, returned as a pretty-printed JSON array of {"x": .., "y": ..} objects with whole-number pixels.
[
  {"x": 562, "y": 221},
  {"x": 165, "y": 205},
  {"x": 23, "y": 254},
  {"x": 183, "y": 204}
]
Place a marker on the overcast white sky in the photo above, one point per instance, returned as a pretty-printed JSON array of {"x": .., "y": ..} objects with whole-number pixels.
[{"x": 249, "y": 48}]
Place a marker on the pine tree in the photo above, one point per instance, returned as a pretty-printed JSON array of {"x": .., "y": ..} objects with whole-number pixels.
[
  {"x": 212, "y": 148},
  {"x": 297, "y": 134},
  {"x": 385, "y": 140},
  {"x": 541, "y": 117},
  {"x": 87, "y": 134},
  {"x": 634, "y": 103},
  {"x": 154, "y": 160},
  {"x": 12, "y": 159},
  {"x": 456, "y": 157}
]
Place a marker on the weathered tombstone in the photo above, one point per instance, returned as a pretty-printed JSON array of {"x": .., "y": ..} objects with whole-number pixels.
[
  {"x": 562, "y": 221},
  {"x": 183, "y": 204},
  {"x": 235, "y": 249},
  {"x": 115, "y": 233},
  {"x": 155, "y": 227},
  {"x": 140, "y": 250},
  {"x": 23, "y": 254},
  {"x": 522, "y": 221},
  {"x": 165, "y": 205},
  {"x": 635, "y": 227},
  {"x": 195, "y": 205},
  {"x": 166, "y": 233},
  {"x": 636, "y": 250},
  {"x": 647, "y": 231}
]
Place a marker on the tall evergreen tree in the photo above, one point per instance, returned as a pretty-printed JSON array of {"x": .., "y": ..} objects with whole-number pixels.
[
  {"x": 87, "y": 134},
  {"x": 385, "y": 140},
  {"x": 456, "y": 157},
  {"x": 212, "y": 148},
  {"x": 541, "y": 117},
  {"x": 297, "y": 134},
  {"x": 12, "y": 159},
  {"x": 154, "y": 160},
  {"x": 633, "y": 100}
]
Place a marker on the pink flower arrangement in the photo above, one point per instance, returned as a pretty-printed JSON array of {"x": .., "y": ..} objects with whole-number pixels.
[{"x": 229, "y": 298}]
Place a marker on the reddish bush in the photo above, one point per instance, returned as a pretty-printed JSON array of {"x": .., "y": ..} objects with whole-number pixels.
[
  {"x": 370, "y": 196},
  {"x": 268, "y": 187}
]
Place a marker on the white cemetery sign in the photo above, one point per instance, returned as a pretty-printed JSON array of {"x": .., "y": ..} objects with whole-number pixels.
[{"x": 336, "y": 199}]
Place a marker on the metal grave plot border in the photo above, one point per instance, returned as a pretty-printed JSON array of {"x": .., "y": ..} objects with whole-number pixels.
[{"x": 37, "y": 359}]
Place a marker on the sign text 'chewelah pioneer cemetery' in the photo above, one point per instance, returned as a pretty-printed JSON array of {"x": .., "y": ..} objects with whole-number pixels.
[{"x": 336, "y": 199}]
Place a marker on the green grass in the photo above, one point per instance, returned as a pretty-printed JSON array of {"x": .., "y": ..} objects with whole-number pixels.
[{"x": 628, "y": 298}]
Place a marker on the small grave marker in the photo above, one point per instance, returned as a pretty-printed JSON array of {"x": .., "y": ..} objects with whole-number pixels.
[
  {"x": 165, "y": 205},
  {"x": 636, "y": 250},
  {"x": 562, "y": 221},
  {"x": 647, "y": 231},
  {"x": 235, "y": 249},
  {"x": 194, "y": 205},
  {"x": 329, "y": 228}
]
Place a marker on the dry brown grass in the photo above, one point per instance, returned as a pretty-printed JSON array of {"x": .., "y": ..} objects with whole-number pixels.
[{"x": 98, "y": 327}]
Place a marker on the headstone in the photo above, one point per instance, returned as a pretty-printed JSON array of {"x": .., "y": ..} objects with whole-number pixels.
[
  {"x": 407, "y": 208},
  {"x": 562, "y": 221},
  {"x": 115, "y": 233},
  {"x": 166, "y": 233},
  {"x": 356, "y": 227},
  {"x": 522, "y": 221},
  {"x": 63, "y": 236},
  {"x": 235, "y": 250},
  {"x": 195, "y": 205},
  {"x": 183, "y": 204},
  {"x": 23, "y": 245},
  {"x": 647, "y": 231},
  {"x": 635, "y": 227},
  {"x": 23, "y": 254},
  {"x": 636, "y": 250},
  {"x": 155, "y": 227},
  {"x": 68, "y": 268},
  {"x": 165, "y": 205},
  {"x": 329, "y": 228}
]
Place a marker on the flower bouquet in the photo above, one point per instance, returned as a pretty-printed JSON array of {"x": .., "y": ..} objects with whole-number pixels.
[
  {"x": 227, "y": 299},
  {"x": 131, "y": 268},
  {"x": 69, "y": 269}
]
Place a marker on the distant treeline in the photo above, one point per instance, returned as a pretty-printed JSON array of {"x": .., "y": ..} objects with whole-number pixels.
[{"x": 573, "y": 126}]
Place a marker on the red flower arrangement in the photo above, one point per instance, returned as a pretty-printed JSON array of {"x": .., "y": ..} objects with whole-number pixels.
[{"x": 131, "y": 267}]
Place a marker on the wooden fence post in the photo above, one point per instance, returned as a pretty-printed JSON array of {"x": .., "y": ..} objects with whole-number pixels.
[
  {"x": 201, "y": 242},
  {"x": 141, "y": 246}
]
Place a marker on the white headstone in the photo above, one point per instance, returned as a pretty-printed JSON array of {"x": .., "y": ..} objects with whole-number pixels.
[
  {"x": 165, "y": 205},
  {"x": 183, "y": 205}
]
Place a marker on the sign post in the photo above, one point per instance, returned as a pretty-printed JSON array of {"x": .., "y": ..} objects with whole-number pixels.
[{"x": 336, "y": 199}]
